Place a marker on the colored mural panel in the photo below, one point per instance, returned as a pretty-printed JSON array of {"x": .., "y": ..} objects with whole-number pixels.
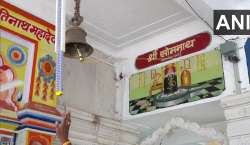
[
  {"x": 27, "y": 52},
  {"x": 6, "y": 140},
  {"x": 27, "y": 77},
  {"x": 39, "y": 139},
  {"x": 188, "y": 80},
  {"x": 6, "y": 137},
  {"x": 16, "y": 59}
]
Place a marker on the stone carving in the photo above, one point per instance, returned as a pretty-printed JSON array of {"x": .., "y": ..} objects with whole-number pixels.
[{"x": 174, "y": 123}]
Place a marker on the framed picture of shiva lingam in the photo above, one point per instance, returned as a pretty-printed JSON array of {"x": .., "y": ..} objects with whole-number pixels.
[{"x": 188, "y": 80}]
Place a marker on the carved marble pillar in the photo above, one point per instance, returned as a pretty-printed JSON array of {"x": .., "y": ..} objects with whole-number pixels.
[
  {"x": 87, "y": 129},
  {"x": 237, "y": 113}
]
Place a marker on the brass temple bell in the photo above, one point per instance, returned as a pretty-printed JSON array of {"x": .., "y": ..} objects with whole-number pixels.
[{"x": 76, "y": 44}]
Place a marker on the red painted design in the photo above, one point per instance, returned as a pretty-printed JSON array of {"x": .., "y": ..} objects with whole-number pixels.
[
  {"x": 45, "y": 87},
  {"x": 184, "y": 47},
  {"x": 52, "y": 90},
  {"x": 39, "y": 138},
  {"x": 38, "y": 86}
]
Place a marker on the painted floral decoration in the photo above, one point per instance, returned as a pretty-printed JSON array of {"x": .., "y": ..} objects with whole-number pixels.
[{"x": 47, "y": 67}]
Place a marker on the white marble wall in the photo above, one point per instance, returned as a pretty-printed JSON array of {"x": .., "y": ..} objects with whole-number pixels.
[
  {"x": 90, "y": 87},
  {"x": 87, "y": 129},
  {"x": 90, "y": 91},
  {"x": 237, "y": 112}
]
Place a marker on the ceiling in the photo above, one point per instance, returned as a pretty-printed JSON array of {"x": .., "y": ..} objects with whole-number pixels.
[
  {"x": 229, "y": 4},
  {"x": 43, "y": 9},
  {"x": 114, "y": 25},
  {"x": 118, "y": 23}
]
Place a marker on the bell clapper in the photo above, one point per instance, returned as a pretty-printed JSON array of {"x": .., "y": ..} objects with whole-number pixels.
[{"x": 80, "y": 54}]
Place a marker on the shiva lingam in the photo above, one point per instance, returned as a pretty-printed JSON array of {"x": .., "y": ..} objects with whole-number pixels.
[{"x": 181, "y": 95}]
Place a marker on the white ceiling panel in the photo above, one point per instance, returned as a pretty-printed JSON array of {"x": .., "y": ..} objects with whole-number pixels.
[{"x": 117, "y": 23}]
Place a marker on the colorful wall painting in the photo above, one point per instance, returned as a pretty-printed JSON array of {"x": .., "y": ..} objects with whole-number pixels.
[
  {"x": 195, "y": 78},
  {"x": 184, "y": 47},
  {"x": 6, "y": 140},
  {"x": 38, "y": 59},
  {"x": 39, "y": 139},
  {"x": 29, "y": 137},
  {"x": 16, "y": 57},
  {"x": 6, "y": 137},
  {"x": 247, "y": 50},
  {"x": 27, "y": 77}
]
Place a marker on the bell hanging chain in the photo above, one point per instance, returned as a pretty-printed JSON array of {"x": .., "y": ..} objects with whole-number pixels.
[{"x": 77, "y": 19}]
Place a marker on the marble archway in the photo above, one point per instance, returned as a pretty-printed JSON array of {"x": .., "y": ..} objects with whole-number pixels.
[{"x": 180, "y": 123}]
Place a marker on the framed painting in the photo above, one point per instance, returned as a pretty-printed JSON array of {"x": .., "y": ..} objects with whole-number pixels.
[{"x": 188, "y": 80}]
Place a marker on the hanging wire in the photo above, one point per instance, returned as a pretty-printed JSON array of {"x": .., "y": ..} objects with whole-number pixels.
[{"x": 202, "y": 19}]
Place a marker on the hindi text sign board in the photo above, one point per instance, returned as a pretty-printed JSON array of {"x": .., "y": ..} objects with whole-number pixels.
[{"x": 184, "y": 47}]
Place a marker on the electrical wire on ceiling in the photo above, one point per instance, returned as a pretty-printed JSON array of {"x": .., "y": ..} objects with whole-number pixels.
[{"x": 201, "y": 18}]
